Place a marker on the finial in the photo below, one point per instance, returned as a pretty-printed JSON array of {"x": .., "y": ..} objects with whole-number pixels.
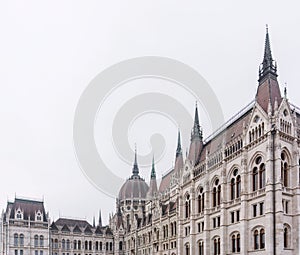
[
  {"x": 135, "y": 170},
  {"x": 178, "y": 150},
  {"x": 267, "y": 28},
  {"x": 153, "y": 174},
  {"x": 285, "y": 90}
]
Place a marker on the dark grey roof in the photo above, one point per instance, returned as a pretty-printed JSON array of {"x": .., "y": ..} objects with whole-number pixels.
[
  {"x": 72, "y": 223},
  {"x": 28, "y": 207},
  {"x": 134, "y": 188}
]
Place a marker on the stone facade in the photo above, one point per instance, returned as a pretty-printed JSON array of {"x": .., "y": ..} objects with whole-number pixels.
[{"x": 237, "y": 192}]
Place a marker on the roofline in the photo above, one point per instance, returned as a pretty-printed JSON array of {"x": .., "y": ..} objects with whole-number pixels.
[{"x": 229, "y": 122}]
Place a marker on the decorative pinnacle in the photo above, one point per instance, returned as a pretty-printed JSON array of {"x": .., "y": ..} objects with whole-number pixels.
[
  {"x": 135, "y": 169},
  {"x": 153, "y": 174},
  {"x": 268, "y": 65},
  {"x": 178, "y": 150},
  {"x": 196, "y": 131}
]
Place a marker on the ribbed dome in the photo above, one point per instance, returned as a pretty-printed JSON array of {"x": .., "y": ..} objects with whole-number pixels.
[{"x": 134, "y": 188}]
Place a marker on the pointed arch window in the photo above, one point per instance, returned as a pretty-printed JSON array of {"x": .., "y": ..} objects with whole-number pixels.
[
  {"x": 216, "y": 193},
  {"x": 256, "y": 244},
  {"x": 285, "y": 237},
  {"x": 262, "y": 238},
  {"x": 201, "y": 248},
  {"x": 235, "y": 185},
  {"x": 233, "y": 243},
  {"x": 284, "y": 169},
  {"x": 258, "y": 174},
  {"x": 217, "y": 246},
  {"x": 187, "y": 206},
  {"x": 201, "y": 201}
]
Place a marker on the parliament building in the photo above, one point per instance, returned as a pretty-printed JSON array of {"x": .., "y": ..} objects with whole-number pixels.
[{"x": 237, "y": 192}]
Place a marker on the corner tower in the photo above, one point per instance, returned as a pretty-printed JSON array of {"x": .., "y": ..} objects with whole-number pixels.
[{"x": 268, "y": 88}]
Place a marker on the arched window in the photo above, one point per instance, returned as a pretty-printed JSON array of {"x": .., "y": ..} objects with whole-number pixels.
[
  {"x": 284, "y": 170},
  {"x": 238, "y": 243},
  {"x": 200, "y": 201},
  {"x": 187, "y": 206},
  {"x": 79, "y": 245},
  {"x": 56, "y": 243},
  {"x": 36, "y": 241},
  {"x": 285, "y": 237},
  {"x": 75, "y": 244},
  {"x": 262, "y": 238},
  {"x": 187, "y": 249},
  {"x": 232, "y": 188},
  {"x": 255, "y": 236},
  {"x": 258, "y": 174},
  {"x": 259, "y": 238},
  {"x": 21, "y": 240},
  {"x": 175, "y": 228},
  {"x": 262, "y": 176},
  {"x": 41, "y": 241},
  {"x": 254, "y": 179},
  {"x": 90, "y": 245},
  {"x": 120, "y": 246},
  {"x": 201, "y": 248},
  {"x": 16, "y": 237},
  {"x": 238, "y": 186},
  {"x": 86, "y": 245},
  {"x": 235, "y": 185},
  {"x": 233, "y": 243},
  {"x": 68, "y": 244},
  {"x": 216, "y": 193},
  {"x": 216, "y": 246},
  {"x": 110, "y": 246}
]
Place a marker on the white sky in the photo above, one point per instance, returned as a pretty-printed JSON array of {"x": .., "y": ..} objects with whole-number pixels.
[{"x": 50, "y": 51}]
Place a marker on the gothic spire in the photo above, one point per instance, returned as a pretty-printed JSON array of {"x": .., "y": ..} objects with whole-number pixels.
[
  {"x": 100, "y": 219},
  {"x": 94, "y": 222},
  {"x": 135, "y": 169},
  {"x": 268, "y": 66},
  {"x": 153, "y": 184},
  {"x": 268, "y": 88},
  {"x": 153, "y": 174},
  {"x": 196, "y": 131},
  {"x": 179, "y": 150}
]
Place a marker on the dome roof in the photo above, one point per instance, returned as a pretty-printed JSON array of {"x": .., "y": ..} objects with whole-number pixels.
[{"x": 134, "y": 188}]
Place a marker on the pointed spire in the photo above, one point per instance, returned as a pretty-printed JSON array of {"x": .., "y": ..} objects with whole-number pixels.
[
  {"x": 196, "y": 131},
  {"x": 94, "y": 221},
  {"x": 100, "y": 219},
  {"x": 268, "y": 65},
  {"x": 179, "y": 150},
  {"x": 153, "y": 174},
  {"x": 135, "y": 169}
]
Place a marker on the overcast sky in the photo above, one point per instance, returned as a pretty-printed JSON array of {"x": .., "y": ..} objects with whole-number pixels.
[{"x": 50, "y": 51}]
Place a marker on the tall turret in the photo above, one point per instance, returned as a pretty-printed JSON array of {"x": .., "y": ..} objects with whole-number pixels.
[{"x": 268, "y": 87}]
